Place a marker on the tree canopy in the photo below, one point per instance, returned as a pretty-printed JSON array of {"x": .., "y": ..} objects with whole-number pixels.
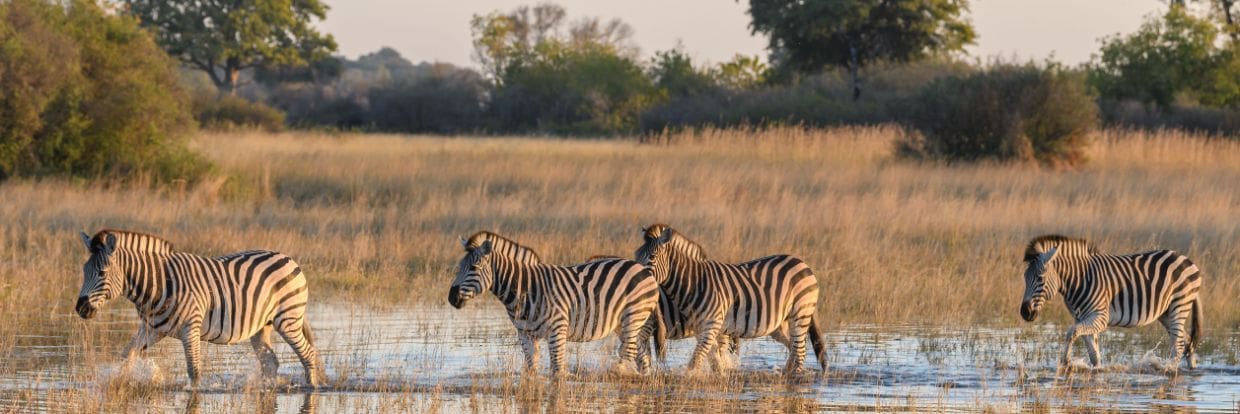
[
  {"x": 809, "y": 35},
  {"x": 87, "y": 93},
  {"x": 222, "y": 38},
  {"x": 1170, "y": 56}
]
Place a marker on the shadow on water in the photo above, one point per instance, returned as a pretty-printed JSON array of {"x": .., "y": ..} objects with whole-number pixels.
[{"x": 436, "y": 359}]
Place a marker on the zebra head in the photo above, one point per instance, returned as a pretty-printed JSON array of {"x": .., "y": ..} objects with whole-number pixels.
[
  {"x": 1041, "y": 283},
  {"x": 654, "y": 251},
  {"x": 102, "y": 277},
  {"x": 473, "y": 275}
]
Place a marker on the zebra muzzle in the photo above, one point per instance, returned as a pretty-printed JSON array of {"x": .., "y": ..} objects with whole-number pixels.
[
  {"x": 454, "y": 297},
  {"x": 1027, "y": 312},
  {"x": 83, "y": 308}
]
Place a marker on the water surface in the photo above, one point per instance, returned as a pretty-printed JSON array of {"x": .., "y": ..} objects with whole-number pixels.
[{"x": 437, "y": 358}]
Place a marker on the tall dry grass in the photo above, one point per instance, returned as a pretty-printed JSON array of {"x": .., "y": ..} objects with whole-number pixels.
[{"x": 375, "y": 218}]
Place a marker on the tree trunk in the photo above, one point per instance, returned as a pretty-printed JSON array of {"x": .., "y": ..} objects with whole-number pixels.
[
  {"x": 1232, "y": 30},
  {"x": 230, "y": 81},
  {"x": 853, "y": 67}
]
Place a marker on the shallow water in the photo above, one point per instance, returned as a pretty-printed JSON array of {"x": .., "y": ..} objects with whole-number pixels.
[{"x": 437, "y": 358}]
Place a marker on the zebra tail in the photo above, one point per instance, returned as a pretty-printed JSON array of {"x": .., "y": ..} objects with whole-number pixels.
[
  {"x": 1194, "y": 335},
  {"x": 816, "y": 339}
]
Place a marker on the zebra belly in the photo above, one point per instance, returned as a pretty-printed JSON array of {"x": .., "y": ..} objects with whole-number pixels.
[
  {"x": 1132, "y": 321},
  {"x": 224, "y": 327}
]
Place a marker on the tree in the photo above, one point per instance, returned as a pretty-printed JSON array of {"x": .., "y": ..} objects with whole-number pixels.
[
  {"x": 87, "y": 93},
  {"x": 585, "y": 78},
  {"x": 672, "y": 72},
  {"x": 1167, "y": 56},
  {"x": 505, "y": 40},
  {"x": 222, "y": 38},
  {"x": 808, "y": 35}
]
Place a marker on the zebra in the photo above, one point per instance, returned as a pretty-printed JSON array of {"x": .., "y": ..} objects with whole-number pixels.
[
  {"x": 774, "y": 296},
  {"x": 560, "y": 304},
  {"x": 672, "y": 318},
  {"x": 1103, "y": 290},
  {"x": 223, "y": 300}
]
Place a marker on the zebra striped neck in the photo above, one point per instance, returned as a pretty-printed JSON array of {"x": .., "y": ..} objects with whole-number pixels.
[
  {"x": 145, "y": 275},
  {"x": 513, "y": 278},
  {"x": 682, "y": 248},
  {"x": 1071, "y": 261}
]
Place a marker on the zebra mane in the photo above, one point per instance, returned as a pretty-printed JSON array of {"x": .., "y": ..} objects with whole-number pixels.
[
  {"x": 1040, "y": 244},
  {"x": 504, "y": 245},
  {"x": 601, "y": 257},
  {"x": 687, "y": 246},
  {"x": 132, "y": 241}
]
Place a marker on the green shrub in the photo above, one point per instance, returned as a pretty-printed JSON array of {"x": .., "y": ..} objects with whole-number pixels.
[
  {"x": 821, "y": 100},
  {"x": 1187, "y": 117},
  {"x": 1005, "y": 113},
  {"x": 230, "y": 112},
  {"x": 584, "y": 89},
  {"x": 446, "y": 100},
  {"x": 87, "y": 93}
]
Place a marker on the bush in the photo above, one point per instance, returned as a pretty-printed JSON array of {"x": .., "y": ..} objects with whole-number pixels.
[
  {"x": 87, "y": 93},
  {"x": 1005, "y": 113},
  {"x": 583, "y": 89},
  {"x": 230, "y": 112},
  {"x": 820, "y": 100},
  {"x": 1187, "y": 117},
  {"x": 447, "y": 100}
]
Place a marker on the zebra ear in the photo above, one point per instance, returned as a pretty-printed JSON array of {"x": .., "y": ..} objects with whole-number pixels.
[
  {"x": 86, "y": 241},
  {"x": 666, "y": 236},
  {"x": 485, "y": 247},
  {"x": 109, "y": 243},
  {"x": 464, "y": 243},
  {"x": 1050, "y": 254}
]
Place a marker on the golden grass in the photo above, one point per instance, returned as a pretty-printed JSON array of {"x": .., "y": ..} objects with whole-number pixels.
[{"x": 375, "y": 218}]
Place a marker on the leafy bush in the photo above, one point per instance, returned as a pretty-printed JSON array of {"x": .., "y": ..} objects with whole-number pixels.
[
  {"x": 1006, "y": 113},
  {"x": 821, "y": 100},
  {"x": 1187, "y": 117},
  {"x": 229, "y": 112},
  {"x": 447, "y": 100},
  {"x": 87, "y": 93},
  {"x": 1171, "y": 55}
]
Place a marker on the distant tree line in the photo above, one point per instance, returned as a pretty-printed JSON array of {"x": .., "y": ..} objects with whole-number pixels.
[{"x": 89, "y": 92}]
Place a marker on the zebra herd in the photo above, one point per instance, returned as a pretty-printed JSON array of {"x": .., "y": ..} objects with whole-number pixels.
[{"x": 670, "y": 291}]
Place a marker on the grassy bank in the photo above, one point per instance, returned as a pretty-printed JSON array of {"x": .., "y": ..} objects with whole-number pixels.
[{"x": 376, "y": 218}]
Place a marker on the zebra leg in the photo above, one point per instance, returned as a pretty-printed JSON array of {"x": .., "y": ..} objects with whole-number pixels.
[
  {"x": 529, "y": 346},
  {"x": 707, "y": 337},
  {"x": 140, "y": 342},
  {"x": 555, "y": 347},
  {"x": 261, "y": 342},
  {"x": 643, "y": 348},
  {"x": 798, "y": 334},
  {"x": 191, "y": 339},
  {"x": 296, "y": 332},
  {"x": 1091, "y": 324},
  {"x": 632, "y": 342},
  {"x": 1174, "y": 320},
  {"x": 1095, "y": 355}
]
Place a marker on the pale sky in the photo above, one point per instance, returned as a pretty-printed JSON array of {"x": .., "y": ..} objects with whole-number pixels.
[{"x": 715, "y": 30}]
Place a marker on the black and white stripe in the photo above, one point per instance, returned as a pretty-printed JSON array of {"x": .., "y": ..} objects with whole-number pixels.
[
  {"x": 560, "y": 304},
  {"x": 223, "y": 300},
  {"x": 1105, "y": 290},
  {"x": 774, "y": 296}
]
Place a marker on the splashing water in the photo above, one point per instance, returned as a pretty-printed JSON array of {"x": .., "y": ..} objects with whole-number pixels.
[{"x": 139, "y": 371}]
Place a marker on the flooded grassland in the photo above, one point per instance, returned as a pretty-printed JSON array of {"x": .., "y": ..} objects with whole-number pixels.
[{"x": 919, "y": 265}]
